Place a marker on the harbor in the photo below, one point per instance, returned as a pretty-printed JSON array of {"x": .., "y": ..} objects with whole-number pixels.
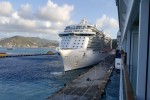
[
  {"x": 45, "y": 73},
  {"x": 66, "y": 50},
  {"x": 32, "y": 77},
  {"x": 3, "y": 55},
  {"x": 74, "y": 50},
  {"x": 90, "y": 85}
]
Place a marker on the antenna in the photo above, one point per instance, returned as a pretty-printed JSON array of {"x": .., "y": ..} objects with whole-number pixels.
[{"x": 83, "y": 21}]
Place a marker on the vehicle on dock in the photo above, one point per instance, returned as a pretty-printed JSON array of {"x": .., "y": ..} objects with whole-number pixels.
[{"x": 82, "y": 45}]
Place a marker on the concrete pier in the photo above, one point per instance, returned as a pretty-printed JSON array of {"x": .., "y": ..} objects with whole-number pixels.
[
  {"x": 21, "y": 55},
  {"x": 88, "y": 86}
]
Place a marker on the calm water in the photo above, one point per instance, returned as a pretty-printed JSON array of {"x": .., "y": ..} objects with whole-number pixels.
[
  {"x": 112, "y": 88},
  {"x": 32, "y": 78}
]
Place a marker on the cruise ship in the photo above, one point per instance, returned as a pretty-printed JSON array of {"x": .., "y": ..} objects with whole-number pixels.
[
  {"x": 82, "y": 45},
  {"x": 134, "y": 41}
]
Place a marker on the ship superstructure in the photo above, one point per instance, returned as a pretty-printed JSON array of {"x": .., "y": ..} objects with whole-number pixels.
[{"x": 82, "y": 45}]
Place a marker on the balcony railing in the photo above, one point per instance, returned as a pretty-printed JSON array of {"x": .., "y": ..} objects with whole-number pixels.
[{"x": 128, "y": 92}]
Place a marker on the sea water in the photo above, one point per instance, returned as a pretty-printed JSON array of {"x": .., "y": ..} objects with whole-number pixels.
[{"x": 34, "y": 77}]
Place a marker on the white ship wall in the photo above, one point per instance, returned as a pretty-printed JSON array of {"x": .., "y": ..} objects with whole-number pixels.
[
  {"x": 74, "y": 42},
  {"x": 79, "y": 58}
]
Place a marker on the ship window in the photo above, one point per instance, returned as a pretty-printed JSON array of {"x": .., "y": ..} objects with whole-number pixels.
[
  {"x": 81, "y": 46},
  {"x": 78, "y": 43}
]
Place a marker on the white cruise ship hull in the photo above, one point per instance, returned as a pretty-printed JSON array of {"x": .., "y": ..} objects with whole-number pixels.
[{"x": 80, "y": 58}]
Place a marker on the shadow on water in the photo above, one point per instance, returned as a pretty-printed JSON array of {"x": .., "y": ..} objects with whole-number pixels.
[{"x": 112, "y": 88}]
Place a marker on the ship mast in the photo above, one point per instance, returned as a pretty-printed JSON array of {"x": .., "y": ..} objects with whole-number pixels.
[{"x": 83, "y": 22}]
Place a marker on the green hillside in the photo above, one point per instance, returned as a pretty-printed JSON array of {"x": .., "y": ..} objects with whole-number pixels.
[{"x": 20, "y": 41}]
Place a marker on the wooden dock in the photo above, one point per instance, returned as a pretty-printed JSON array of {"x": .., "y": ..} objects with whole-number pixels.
[{"x": 88, "y": 86}]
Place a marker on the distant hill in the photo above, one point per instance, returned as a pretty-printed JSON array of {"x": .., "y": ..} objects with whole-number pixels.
[{"x": 20, "y": 41}]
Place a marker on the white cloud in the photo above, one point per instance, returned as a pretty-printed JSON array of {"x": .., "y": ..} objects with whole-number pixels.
[
  {"x": 53, "y": 12},
  {"x": 13, "y": 24},
  {"x": 107, "y": 22},
  {"x": 15, "y": 15},
  {"x": 49, "y": 19},
  {"x": 26, "y": 11},
  {"x": 4, "y": 20},
  {"x": 5, "y": 8},
  {"x": 108, "y": 25}
]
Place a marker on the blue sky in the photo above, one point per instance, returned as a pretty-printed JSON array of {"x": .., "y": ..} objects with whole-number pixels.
[{"x": 47, "y": 18}]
